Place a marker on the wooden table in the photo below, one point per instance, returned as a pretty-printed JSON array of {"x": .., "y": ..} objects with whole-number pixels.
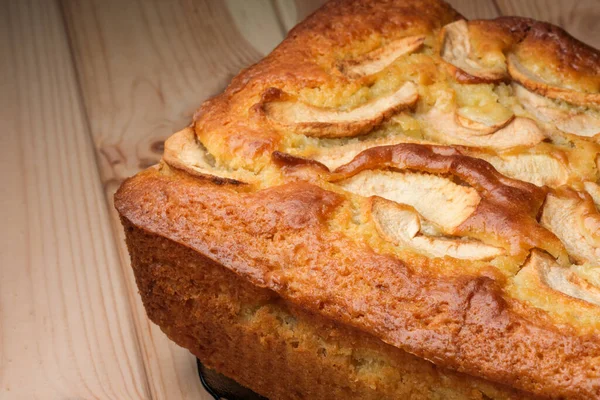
[{"x": 90, "y": 90}]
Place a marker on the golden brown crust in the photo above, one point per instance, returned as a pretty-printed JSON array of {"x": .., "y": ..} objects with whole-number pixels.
[
  {"x": 190, "y": 296},
  {"x": 280, "y": 242},
  {"x": 574, "y": 64},
  {"x": 302, "y": 227},
  {"x": 544, "y": 48}
]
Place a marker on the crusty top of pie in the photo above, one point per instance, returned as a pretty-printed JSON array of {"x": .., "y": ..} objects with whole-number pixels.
[{"x": 428, "y": 179}]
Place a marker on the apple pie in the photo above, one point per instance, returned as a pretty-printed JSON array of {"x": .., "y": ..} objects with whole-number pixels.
[{"x": 396, "y": 203}]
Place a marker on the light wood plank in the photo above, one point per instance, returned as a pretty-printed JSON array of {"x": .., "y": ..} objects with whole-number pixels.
[
  {"x": 306, "y": 7},
  {"x": 144, "y": 68},
  {"x": 65, "y": 321},
  {"x": 257, "y": 21},
  {"x": 579, "y": 18},
  {"x": 479, "y": 9},
  {"x": 291, "y": 12}
]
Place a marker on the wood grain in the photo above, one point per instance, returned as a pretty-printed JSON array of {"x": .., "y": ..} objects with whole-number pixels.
[
  {"x": 476, "y": 9},
  {"x": 144, "y": 67},
  {"x": 290, "y": 12},
  {"x": 257, "y": 21},
  {"x": 65, "y": 321},
  {"x": 579, "y": 18}
]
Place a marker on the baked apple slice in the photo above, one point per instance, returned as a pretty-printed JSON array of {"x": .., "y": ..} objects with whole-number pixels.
[
  {"x": 379, "y": 59},
  {"x": 454, "y": 127},
  {"x": 185, "y": 152},
  {"x": 540, "y": 168},
  {"x": 574, "y": 218},
  {"x": 456, "y": 50},
  {"x": 402, "y": 225},
  {"x": 559, "y": 290},
  {"x": 519, "y": 73},
  {"x": 438, "y": 199},
  {"x": 567, "y": 119},
  {"x": 289, "y": 114}
]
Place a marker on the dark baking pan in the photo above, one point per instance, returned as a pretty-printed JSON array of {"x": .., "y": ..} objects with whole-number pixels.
[{"x": 223, "y": 388}]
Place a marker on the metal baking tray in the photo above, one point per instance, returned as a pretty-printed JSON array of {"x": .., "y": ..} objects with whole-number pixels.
[{"x": 223, "y": 388}]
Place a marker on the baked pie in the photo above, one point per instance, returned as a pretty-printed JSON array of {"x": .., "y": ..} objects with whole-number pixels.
[{"x": 395, "y": 203}]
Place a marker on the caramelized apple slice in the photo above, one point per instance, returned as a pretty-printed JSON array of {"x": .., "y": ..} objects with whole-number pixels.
[
  {"x": 336, "y": 156},
  {"x": 401, "y": 224},
  {"x": 379, "y": 59},
  {"x": 487, "y": 118},
  {"x": 533, "y": 82},
  {"x": 456, "y": 51},
  {"x": 438, "y": 199},
  {"x": 333, "y": 157},
  {"x": 292, "y": 115},
  {"x": 593, "y": 190},
  {"x": 480, "y": 128},
  {"x": 183, "y": 151},
  {"x": 537, "y": 168},
  {"x": 574, "y": 218},
  {"x": 566, "y": 119},
  {"x": 454, "y": 128},
  {"x": 543, "y": 277}
]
